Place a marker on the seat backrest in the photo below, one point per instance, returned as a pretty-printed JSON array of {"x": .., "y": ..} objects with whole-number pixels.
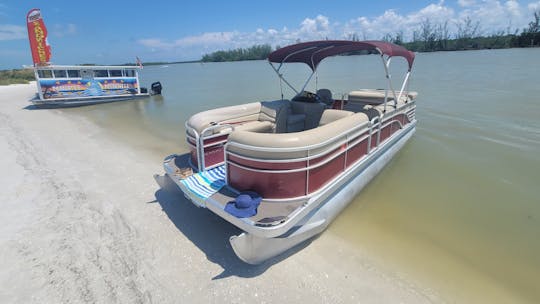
[
  {"x": 325, "y": 96},
  {"x": 276, "y": 112},
  {"x": 312, "y": 110},
  {"x": 331, "y": 115}
]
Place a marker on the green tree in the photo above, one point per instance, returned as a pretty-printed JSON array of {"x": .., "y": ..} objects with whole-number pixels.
[
  {"x": 256, "y": 52},
  {"x": 531, "y": 35}
]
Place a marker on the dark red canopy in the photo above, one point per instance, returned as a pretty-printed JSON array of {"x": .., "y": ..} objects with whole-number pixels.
[{"x": 313, "y": 52}]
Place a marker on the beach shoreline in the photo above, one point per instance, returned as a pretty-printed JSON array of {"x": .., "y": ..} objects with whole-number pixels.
[{"x": 84, "y": 221}]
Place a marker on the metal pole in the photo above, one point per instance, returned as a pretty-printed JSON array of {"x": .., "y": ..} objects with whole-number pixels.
[
  {"x": 386, "y": 69},
  {"x": 281, "y": 78},
  {"x": 405, "y": 83}
]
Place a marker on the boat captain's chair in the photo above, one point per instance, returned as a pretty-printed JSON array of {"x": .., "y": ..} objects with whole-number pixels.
[
  {"x": 304, "y": 115},
  {"x": 325, "y": 96}
]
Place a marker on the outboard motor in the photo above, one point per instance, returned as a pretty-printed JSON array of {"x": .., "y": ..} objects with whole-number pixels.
[{"x": 156, "y": 88}]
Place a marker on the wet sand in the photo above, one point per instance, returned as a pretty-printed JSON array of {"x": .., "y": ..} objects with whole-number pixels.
[{"x": 83, "y": 221}]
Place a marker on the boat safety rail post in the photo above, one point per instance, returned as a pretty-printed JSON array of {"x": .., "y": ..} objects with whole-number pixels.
[
  {"x": 307, "y": 171},
  {"x": 200, "y": 142},
  {"x": 374, "y": 122},
  {"x": 197, "y": 144}
]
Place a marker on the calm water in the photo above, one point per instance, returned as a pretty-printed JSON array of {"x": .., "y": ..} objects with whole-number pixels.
[{"x": 458, "y": 208}]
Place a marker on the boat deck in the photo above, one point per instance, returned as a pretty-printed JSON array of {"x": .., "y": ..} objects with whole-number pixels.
[{"x": 269, "y": 213}]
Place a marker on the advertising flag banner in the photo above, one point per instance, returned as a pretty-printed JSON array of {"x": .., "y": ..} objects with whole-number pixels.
[{"x": 37, "y": 34}]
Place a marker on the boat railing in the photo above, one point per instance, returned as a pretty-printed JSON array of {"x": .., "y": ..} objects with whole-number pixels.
[
  {"x": 199, "y": 140},
  {"x": 316, "y": 156},
  {"x": 374, "y": 129},
  {"x": 210, "y": 138},
  {"x": 375, "y": 123},
  {"x": 355, "y": 130}
]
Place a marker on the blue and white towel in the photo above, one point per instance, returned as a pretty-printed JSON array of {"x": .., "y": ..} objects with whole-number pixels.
[{"x": 206, "y": 183}]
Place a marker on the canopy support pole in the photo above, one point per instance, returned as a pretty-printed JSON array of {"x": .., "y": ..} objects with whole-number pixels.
[
  {"x": 386, "y": 64},
  {"x": 405, "y": 83},
  {"x": 282, "y": 79},
  {"x": 309, "y": 78}
]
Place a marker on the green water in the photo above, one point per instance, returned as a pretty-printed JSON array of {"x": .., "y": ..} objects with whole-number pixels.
[{"x": 457, "y": 209}]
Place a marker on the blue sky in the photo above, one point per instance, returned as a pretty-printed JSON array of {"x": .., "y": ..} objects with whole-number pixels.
[{"x": 108, "y": 32}]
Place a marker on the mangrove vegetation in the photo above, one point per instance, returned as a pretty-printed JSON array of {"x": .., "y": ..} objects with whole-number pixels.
[
  {"x": 429, "y": 36},
  {"x": 16, "y": 76},
  {"x": 256, "y": 52}
]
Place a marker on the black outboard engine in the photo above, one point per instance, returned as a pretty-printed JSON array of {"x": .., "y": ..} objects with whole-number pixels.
[{"x": 156, "y": 88}]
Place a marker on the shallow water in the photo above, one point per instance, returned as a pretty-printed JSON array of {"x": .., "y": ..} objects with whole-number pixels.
[{"x": 458, "y": 208}]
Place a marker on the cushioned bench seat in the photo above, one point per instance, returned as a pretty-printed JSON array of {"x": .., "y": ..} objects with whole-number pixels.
[
  {"x": 376, "y": 96},
  {"x": 294, "y": 145},
  {"x": 330, "y": 115},
  {"x": 256, "y": 126}
]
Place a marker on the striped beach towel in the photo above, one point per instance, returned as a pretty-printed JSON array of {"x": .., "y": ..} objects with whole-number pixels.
[{"x": 204, "y": 184}]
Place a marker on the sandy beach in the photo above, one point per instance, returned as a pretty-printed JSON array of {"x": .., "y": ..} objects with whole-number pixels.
[{"x": 84, "y": 221}]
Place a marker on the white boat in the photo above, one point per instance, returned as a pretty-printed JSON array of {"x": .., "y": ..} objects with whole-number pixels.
[
  {"x": 76, "y": 85},
  {"x": 282, "y": 170},
  {"x": 61, "y": 85}
]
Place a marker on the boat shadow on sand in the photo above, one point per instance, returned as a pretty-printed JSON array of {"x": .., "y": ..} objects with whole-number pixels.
[{"x": 210, "y": 233}]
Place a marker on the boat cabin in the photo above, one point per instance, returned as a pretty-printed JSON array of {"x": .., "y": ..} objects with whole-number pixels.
[{"x": 56, "y": 82}]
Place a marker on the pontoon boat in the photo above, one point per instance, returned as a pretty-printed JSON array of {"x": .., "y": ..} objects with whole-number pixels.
[
  {"x": 282, "y": 170},
  {"x": 60, "y": 85}
]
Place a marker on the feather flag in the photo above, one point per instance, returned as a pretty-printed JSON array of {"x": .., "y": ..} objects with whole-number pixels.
[{"x": 37, "y": 34}]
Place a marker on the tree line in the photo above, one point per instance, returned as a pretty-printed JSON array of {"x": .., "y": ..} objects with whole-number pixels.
[
  {"x": 16, "y": 76},
  {"x": 430, "y": 37},
  {"x": 256, "y": 52}
]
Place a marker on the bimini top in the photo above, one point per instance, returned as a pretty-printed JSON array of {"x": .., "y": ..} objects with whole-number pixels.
[{"x": 313, "y": 52}]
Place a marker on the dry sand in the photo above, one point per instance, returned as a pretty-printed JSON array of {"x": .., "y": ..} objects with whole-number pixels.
[{"x": 83, "y": 221}]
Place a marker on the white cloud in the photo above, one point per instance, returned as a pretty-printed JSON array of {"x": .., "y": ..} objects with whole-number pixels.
[
  {"x": 534, "y": 6},
  {"x": 466, "y": 3},
  {"x": 391, "y": 22},
  {"x": 155, "y": 43},
  {"x": 216, "y": 38},
  {"x": 513, "y": 8},
  {"x": 61, "y": 30},
  {"x": 492, "y": 15},
  {"x": 205, "y": 40},
  {"x": 12, "y": 32},
  {"x": 315, "y": 28},
  {"x": 435, "y": 12}
]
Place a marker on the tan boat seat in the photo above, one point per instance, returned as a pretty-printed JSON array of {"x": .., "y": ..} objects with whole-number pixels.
[
  {"x": 256, "y": 126},
  {"x": 330, "y": 115},
  {"x": 377, "y": 96},
  {"x": 266, "y": 146}
]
